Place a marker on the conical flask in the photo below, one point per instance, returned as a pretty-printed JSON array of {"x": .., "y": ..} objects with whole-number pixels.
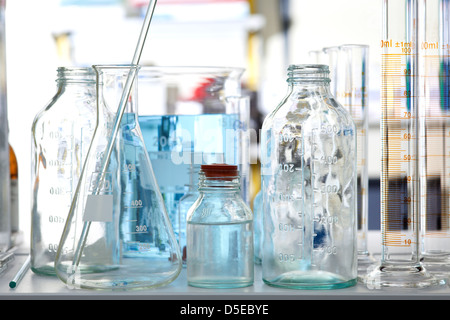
[{"x": 117, "y": 234}]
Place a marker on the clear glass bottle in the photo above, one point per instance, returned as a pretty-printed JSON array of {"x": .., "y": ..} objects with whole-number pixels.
[
  {"x": 308, "y": 168},
  {"x": 219, "y": 232},
  {"x": 61, "y": 135}
]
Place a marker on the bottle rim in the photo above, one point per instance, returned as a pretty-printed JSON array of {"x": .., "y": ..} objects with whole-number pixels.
[
  {"x": 308, "y": 73},
  {"x": 76, "y": 74}
]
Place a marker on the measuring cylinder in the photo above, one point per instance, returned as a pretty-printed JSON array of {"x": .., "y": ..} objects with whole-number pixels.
[
  {"x": 435, "y": 137},
  {"x": 400, "y": 196}
]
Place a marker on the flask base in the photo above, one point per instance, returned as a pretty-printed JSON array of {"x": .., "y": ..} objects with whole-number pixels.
[{"x": 401, "y": 276}]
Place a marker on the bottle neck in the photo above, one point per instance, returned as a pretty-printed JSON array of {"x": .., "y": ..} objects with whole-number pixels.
[
  {"x": 218, "y": 184},
  {"x": 75, "y": 77},
  {"x": 313, "y": 77}
]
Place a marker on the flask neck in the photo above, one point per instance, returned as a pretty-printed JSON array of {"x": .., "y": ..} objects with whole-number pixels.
[{"x": 117, "y": 87}]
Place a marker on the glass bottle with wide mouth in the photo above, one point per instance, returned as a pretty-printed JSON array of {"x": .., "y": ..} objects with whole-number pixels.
[
  {"x": 61, "y": 134},
  {"x": 308, "y": 168}
]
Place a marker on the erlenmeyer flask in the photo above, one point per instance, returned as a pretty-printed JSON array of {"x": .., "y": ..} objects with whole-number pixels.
[{"x": 117, "y": 235}]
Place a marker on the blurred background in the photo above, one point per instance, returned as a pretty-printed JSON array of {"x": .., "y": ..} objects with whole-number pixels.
[{"x": 262, "y": 36}]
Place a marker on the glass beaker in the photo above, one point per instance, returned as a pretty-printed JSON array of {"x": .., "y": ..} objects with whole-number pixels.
[
  {"x": 193, "y": 115},
  {"x": 117, "y": 235},
  {"x": 61, "y": 134},
  {"x": 308, "y": 169}
]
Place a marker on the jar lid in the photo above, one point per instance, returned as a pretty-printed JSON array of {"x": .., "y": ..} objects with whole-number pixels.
[{"x": 220, "y": 170}]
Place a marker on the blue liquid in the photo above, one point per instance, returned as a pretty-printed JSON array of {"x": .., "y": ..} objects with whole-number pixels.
[
  {"x": 175, "y": 142},
  {"x": 220, "y": 255}
]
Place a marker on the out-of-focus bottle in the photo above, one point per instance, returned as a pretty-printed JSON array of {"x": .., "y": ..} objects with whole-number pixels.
[
  {"x": 14, "y": 170},
  {"x": 219, "y": 232},
  {"x": 61, "y": 136},
  {"x": 308, "y": 169}
]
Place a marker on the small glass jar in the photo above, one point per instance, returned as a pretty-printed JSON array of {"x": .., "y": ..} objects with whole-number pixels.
[
  {"x": 309, "y": 176},
  {"x": 61, "y": 135},
  {"x": 219, "y": 232}
]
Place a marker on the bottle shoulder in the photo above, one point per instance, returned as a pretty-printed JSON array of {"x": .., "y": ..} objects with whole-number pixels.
[
  {"x": 304, "y": 111},
  {"x": 219, "y": 209}
]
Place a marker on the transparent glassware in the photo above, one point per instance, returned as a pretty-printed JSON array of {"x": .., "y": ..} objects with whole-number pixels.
[
  {"x": 61, "y": 134},
  {"x": 185, "y": 203},
  {"x": 117, "y": 234},
  {"x": 401, "y": 132},
  {"x": 5, "y": 207},
  {"x": 257, "y": 227},
  {"x": 435, "y": 138},
  {"x": 193, "y": 115},
  {"x": 219, "y": 232},
  {"x": 14, "y": 171},
  {"x": 308, "y": 169}
]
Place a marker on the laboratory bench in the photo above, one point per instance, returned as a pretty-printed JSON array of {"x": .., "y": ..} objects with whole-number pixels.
[{"x": 34, "y": 286}]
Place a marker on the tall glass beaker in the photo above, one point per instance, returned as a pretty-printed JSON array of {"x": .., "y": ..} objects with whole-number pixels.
[
  {"x": 435, "y": 136},
  {"x": 400, "y": 195},
  {"x": 117, "y": 235},
  {"x": 193, "y": 116}
]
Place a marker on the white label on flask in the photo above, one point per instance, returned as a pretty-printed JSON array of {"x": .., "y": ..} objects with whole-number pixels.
[{"x": 99, "y": 208}]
